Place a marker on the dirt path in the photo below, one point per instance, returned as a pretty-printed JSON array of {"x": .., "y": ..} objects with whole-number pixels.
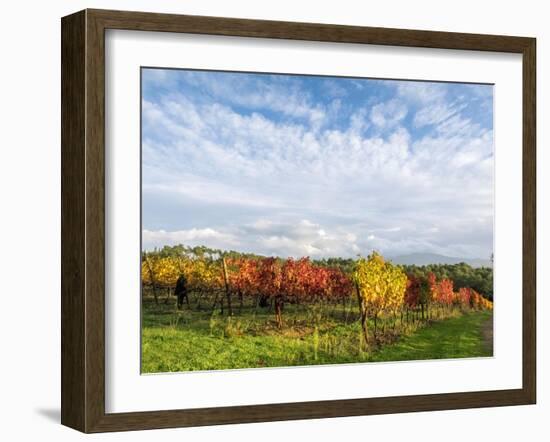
[{"x": 487, "y": 333}]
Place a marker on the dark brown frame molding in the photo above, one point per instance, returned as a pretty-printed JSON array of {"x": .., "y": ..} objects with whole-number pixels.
[{"x": 83, "y": 220}]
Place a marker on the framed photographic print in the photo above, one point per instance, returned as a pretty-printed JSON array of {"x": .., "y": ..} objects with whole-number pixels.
[{"x": 268, "y": 220}]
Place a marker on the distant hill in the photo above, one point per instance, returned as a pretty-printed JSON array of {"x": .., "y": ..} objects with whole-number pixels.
[{"x": 421, "y": 259}]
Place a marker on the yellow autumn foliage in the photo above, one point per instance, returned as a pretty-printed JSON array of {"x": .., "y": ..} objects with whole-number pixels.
[
  {"x": 201, "y": 273},
  {"x": 381, "y": 285}
]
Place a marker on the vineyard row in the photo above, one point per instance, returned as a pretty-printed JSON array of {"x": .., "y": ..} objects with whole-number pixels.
[{"x": 381, "y": 289}]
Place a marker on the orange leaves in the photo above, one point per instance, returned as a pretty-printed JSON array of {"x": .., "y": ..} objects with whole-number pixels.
[
  {"x": 290, "y": 280},
  {"x": 468, "y": 298},
  {"x": 444, "y": 292},
  {"x": 382, "y": 286}
]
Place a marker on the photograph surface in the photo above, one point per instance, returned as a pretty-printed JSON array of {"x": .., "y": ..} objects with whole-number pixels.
[{"x": 297, "y": 220}]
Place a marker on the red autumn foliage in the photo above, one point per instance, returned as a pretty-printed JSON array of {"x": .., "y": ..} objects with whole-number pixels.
[{"x": 412, "y": 292}]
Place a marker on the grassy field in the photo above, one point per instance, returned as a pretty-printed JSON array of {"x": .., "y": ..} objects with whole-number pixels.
[
  {"x": 460, "y": 337},
  {"x": 191, "y": 340}
]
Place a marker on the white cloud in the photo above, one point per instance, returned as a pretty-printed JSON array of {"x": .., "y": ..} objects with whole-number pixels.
[
  {"x": 421, "y": 91},
  {"x": 359, "y": 121},
  {"x": 334, "y": 89},
  {"x": 266, "y": 237},
  {"x": 436, "y": 113},
  {"x": 298, "y": 187},
  {"x": 276, "y": 95},
  {"x": 193, "y": 237},
  {"x": 388, "y": 114}
]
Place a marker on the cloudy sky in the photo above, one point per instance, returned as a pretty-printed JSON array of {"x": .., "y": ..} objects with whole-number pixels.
[{"x": 316, "y": 166}]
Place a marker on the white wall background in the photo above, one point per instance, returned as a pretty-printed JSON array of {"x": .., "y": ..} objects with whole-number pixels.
[{"x": 30, "y": 217}]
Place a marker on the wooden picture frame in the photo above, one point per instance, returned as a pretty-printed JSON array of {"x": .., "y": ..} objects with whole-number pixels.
[{"x": 83, "y": 220}]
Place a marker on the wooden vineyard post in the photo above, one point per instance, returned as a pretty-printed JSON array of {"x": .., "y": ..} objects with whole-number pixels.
[
  {"x": 363, "y": 315},
  {"x": 227, "y": 291},
  {"x": 152, "y": 276}
]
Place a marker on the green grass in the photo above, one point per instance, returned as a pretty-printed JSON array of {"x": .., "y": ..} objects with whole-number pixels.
[
  {"x": 460, "y": 337},
  {"x": 190, "y": 340}
]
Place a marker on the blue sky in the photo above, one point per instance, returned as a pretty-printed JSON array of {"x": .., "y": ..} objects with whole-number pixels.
[{"x": 316, "y": 166}]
